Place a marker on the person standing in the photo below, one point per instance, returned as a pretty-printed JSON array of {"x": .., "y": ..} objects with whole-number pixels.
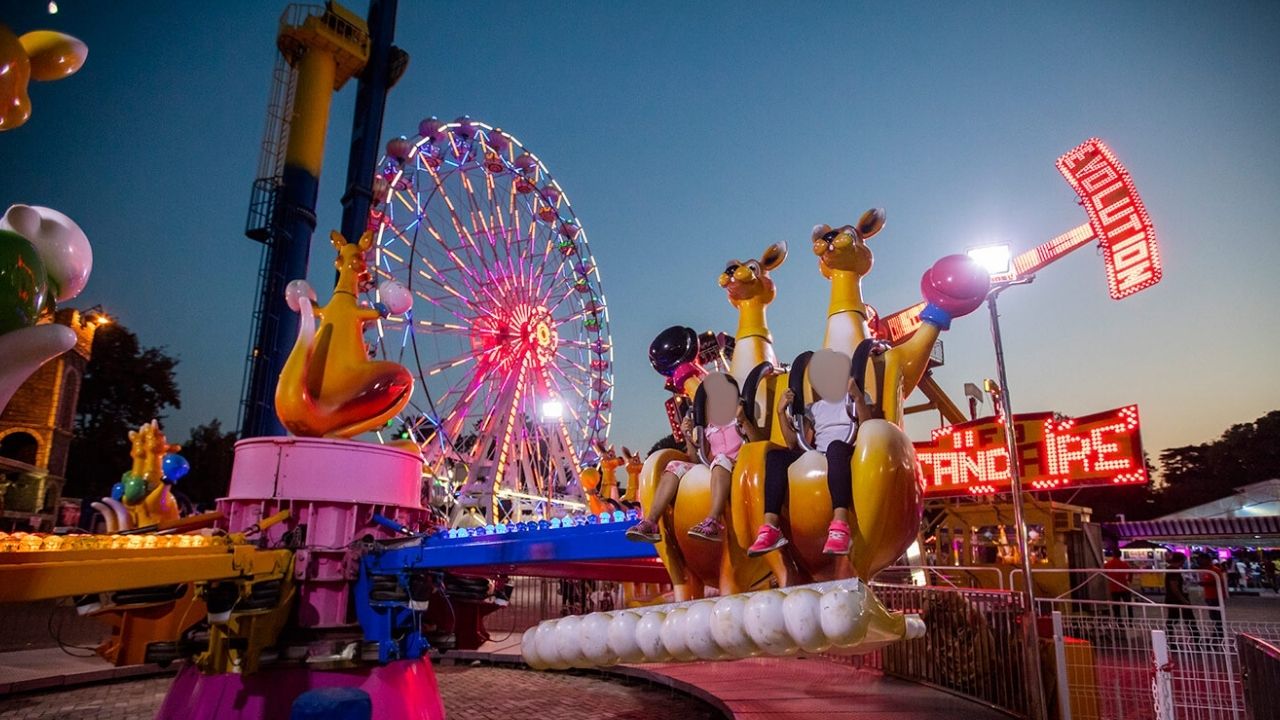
[
  {"x": 1180, "y": 613},
  {"x": 1211, "y": 580},
  {"x": 1119, "y": 576}
]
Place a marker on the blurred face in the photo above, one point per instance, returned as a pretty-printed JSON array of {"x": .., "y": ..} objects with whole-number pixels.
[
  {"x": 829, "y": 374},
  {"x": 722, "y": 399}
]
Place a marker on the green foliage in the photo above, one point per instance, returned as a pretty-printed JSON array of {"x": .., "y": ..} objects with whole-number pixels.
[
  {"x": 124, "y": 386},
  {"x": 210, "y": 452}
]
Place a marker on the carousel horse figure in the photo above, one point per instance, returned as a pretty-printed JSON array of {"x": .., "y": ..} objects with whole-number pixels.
[{"x": 329, "y": 387}]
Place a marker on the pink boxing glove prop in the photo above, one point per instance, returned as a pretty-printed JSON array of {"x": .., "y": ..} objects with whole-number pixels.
[{"x": 954, "y": 287}]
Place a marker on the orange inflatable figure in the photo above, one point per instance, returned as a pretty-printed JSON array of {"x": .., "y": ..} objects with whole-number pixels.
[
  {"x": 39, "y": 55},
  {"x": 329, "y": 387}
]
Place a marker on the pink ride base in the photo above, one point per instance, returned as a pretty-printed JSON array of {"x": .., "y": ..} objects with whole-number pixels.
[
  {"x": 403, "y": 689},
  {"x": 332, "y": 488}
]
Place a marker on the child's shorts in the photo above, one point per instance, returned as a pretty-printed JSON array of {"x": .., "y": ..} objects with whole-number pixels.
[{"x": 680, "y": 467}]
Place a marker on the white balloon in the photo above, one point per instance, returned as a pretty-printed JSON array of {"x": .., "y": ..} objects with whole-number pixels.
[
  {"x": 295, "y": 291},
  {"x": 843, "y": 620},
  {"x": 61, "y": 243},
  {"x": 728, "y": 626},
  {"x": 697, "y": 631},
  {"x": 802, "y": 614},
  {"x": 673, "y": 635},
  {"x": 622, "y": 637},
  {"x": 568, "y": 636},
  {"x": 546, "y": 646},
  {"x": 529, "y": 650},
  {"x": 594, "y": 640},
  {"x": 395, "y": 296},
  {"x": 766, "y": 624},
  {"x": 649, "y": 637}
]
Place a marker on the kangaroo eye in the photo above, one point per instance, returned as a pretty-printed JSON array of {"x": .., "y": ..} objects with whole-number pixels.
[
  {"x": 730, "y": 270},
  {"x": 831, "y": 235}
]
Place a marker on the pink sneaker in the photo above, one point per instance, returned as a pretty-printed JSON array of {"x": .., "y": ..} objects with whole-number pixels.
[
  {"x": 767, "y": 540},
  {"x": 644, "y": 531},
  {"x": 839, "y": 540},
  {"x": 709, "y": 529}
]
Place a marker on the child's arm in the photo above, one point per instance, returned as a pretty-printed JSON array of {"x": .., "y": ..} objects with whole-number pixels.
[
  {"x": 753, "y": 433},
  {"x": 788, "y": 432},
  {"x": 686, "y": 429},
  {"x": 861, "y": 411}
]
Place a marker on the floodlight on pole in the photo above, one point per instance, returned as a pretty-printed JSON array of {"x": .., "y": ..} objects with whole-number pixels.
[
  {"x": 993, "y": 258},
  {"x": 552, "y": 410},
  {"x": 1038, "y": 709}
]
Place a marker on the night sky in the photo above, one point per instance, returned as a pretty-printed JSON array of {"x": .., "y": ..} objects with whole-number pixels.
[{"x": 690, "y": 133}]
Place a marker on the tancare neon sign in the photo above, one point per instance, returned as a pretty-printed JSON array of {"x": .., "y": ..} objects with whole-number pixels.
[{"x": 1054, "y": 452}]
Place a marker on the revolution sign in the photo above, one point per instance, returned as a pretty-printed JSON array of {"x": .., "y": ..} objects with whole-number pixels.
[
  {"x": 1116, "y": 215},
  {"x": 1054, "y": 452}
]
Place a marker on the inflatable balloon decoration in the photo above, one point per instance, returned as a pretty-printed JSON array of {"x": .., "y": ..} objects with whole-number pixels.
[
  {"x": 44, "y": 259},
  {"x": 329, "y": 387},
  {"x": 41, "y": 55},
  {"x": 144, "y": 496}
]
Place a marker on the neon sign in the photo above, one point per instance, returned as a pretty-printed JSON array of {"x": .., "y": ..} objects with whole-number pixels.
[
  {"x": 1054, "y": 452},
  {"x": 1117, "y": 216}
]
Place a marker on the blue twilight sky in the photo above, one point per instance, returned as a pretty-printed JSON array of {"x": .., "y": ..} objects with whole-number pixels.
[{"x": 690, "y": 133}]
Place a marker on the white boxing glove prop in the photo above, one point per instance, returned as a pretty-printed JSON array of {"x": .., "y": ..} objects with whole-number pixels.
[{"x": 842, "y": 617}]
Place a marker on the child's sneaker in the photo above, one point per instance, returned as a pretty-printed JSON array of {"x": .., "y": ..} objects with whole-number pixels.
[
  {"x": 644, "y": 531},
  {"x": 767, "y": 540},
  {"x": 839, "y": 539},
  {"x": 709, "y": 529}
]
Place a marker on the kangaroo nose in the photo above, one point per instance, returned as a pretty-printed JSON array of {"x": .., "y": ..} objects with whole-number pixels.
[{"x": 743, "y": 274}]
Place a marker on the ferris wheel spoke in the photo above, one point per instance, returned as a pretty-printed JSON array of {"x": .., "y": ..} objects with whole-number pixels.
[
  {"x": 478, "y": 215},
  {"x": 439, "y": 367}
]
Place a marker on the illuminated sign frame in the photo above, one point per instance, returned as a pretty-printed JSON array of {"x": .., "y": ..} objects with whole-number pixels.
[
  {"x": 1117, "y": 216},
  {"x": 1055, "y": 452}
]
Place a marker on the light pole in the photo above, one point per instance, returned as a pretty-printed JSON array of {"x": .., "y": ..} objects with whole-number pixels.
[{"x": 995, "y": 258}]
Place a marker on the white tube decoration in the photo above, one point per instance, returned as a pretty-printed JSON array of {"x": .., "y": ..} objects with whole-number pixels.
[{"x": 840, "y": 617}]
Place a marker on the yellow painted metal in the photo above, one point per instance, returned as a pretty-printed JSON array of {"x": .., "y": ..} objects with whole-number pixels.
[
  {"x": 237, "y": 644},
  {"x": 26, "y": 576},
  {"x": 940, "y": 400},
  {"x": 327, "y": 50}
]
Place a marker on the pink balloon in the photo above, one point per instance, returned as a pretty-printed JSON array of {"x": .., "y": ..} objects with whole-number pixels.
[{"x": 956, "y": 284}]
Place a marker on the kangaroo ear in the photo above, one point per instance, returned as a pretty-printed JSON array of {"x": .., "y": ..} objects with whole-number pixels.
[
  {"x": 774, "y": 255},
  {"x": 819, "y": 231},
  {"x": 871, "y": 222},
  {"x": 366, "y": 240},
  {"x": 338, "y": 241},
  {"x": 626, "y": 452}
]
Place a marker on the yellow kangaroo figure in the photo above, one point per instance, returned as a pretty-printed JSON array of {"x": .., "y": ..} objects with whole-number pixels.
[
  {"x": 695, "y": 564},
  {"x": 329, "y": 387},
  {"x": 887, "y": 500},
  {"x": 148, "y": 449}
]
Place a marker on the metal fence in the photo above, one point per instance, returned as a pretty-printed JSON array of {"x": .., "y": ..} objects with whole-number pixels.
[
  {"x": 1139, "y": 656},
  {"x": 1260, "y": 667}
]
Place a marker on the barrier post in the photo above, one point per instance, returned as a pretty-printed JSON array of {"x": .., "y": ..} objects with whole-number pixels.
[
  {"x": 1162, "y": 679},
  {"x": 1060, "y": 657}
]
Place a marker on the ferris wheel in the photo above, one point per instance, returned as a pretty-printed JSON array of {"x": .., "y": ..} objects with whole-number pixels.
[{"x": 508, "y": 331}]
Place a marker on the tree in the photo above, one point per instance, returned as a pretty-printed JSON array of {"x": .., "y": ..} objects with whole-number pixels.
[
  {"x": 667, "y": 443},
  {"x": 210, "y": 451},
  {"x": 124, "y": 386}
]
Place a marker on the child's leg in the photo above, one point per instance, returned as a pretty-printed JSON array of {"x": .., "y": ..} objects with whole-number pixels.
[
  {"x": 668, "y": 484},
  {"x": 840, "y": 478},
  {"x": 719, "y": 491},
  {"x": 776, "y": 463}
]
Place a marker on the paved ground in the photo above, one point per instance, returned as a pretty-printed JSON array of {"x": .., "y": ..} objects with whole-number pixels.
[{"x": 472, "y": 693}]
